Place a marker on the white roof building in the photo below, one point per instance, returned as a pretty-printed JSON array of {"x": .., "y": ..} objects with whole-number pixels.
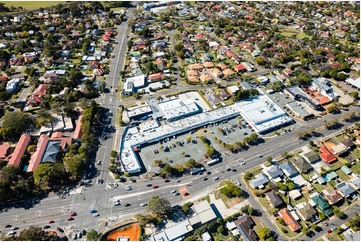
[{"x": 262, "y": 113}]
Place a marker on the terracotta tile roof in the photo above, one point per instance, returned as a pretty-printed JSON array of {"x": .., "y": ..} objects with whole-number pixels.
[
  {"x": 78, "y": 132},
  {"x": 19, "y": 150},
  {"x": 38, "y": 154},
  {"x": 289, "y": 220},
  {"x": 326, "y": 155},
  {"x": 4, "y": 150}
]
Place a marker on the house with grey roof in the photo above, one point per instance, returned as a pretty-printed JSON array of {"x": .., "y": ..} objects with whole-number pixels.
[
  {"x": 52, "y": 150},
  {"x": 355, "y": 182},
  {"x": 346, "y": 170},
  {"x": 245, "y": 227},
  {"x": 302, "y": 165},
  {"x": 307, "y": 212},
  {"x": 259, "y": 181},
  {"x": 310, "y": 156},
  {"x": 345, "y": 189},
  {"x": 288, "y": 169},
  {"x": 273, "y": 173},
  {"x": 274, "y": 199}
]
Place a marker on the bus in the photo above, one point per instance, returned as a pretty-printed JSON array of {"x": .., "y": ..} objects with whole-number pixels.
[{"x": 214, "y": 161}]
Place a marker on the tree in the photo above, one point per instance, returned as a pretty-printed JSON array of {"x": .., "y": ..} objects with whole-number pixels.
[
  {"x": 248, "y": 175},
  {"x": 338, "y": 212},
  {"x": 220, "y": 229},
  {"x": 113, "y": 154},
  {"x": 264, "y": 233},
  {"x": 247, "y": 209},
  {"x": 355, "y": 95},
  {"x": 92, "y": 235},
  {"x": 282, "y": 186},
  {"x": 35, "y": 234},
  {"x": 179, "y": 47},
  {"x": 333, "y": 109},
  {"x": 354, "y": 222},
  {"x": 50, "y": 176},
  {"x": 17, "y": 122},
  {"x": 291, "y": 185},
  {"x": 331, "y": 123},
  {"x": 75, "y": 166},
  {"x": 158, "y": 205}
]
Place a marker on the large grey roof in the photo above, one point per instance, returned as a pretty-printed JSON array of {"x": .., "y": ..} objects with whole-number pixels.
[{"x": 52, "y": 150}]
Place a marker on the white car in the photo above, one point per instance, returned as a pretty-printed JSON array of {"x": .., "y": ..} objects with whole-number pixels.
[
  {"x": 143, "y": 204},
  {"x": 96, "y": 215},
  {"x": 216, "y": 178},
  {"x": 12, "y": 232},
  {"x": 173, "y": 191},
  {"x": 99, "y": 162}
]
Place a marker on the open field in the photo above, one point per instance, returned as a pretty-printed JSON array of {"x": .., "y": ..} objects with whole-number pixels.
[
  {"x": 130, "y": 231},
  {"x": 33, "y": 5}
]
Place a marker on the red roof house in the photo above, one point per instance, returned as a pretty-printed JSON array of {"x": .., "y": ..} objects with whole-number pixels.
[
  {"x": 289, "y": 220},
  {"x": 38, "y": 154},
  {"x": 19, "y": 151},
  {"x": 239, "y": 68},
  {"x": 326, "y": 155}
]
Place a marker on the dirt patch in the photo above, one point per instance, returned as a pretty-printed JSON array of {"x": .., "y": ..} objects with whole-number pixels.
[{"x": 130, "y": 231}]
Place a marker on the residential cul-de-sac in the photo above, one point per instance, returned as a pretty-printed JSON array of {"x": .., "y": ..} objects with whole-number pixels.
[{"x": 179, "y": 120}]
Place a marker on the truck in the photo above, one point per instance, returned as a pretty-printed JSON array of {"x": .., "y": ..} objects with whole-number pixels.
[
  {"x": 196, "y": 171},
  {"x": 214, "y": 161}
]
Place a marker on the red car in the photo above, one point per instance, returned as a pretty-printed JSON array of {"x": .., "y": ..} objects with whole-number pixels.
[
  {"x": 329, "y": 231},
  {"x": 154, "y": 187},
  {"x": 51, "y": 221},
  {"x": 73, "y": 214},
  {"x": 69, "y": 219}
]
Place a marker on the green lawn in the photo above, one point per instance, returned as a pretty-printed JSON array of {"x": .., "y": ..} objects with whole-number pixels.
[
  {"x": 116, "y": 9},
  {"x": 355, "y": 153},
  {"x": 29, "y": 5},
  {"x": 319, "y": 188},
  {"x": 339, "y": 163},
  {"x": 356, "y": 168},
  {"x": 342, "y": 175},
  {"x": 229, "y": 101},
  {"x": 75, "y": 61},
  {"x": 333, "y": 236}
]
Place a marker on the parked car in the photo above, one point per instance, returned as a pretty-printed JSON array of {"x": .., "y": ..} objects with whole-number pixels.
[
  {"x": 69, "y": 219},
  {"x": 51, "y": 221},
  {"x": 46, "y": 227},
  {"x": 8, "y": 226},
  {"x": 96, "y": 215},
  {"x": 126, "y": 204},
  {"x": 99, "y": 162},
  {"x": 143, "y": 204},
  {"x": 12, "y": 232},
  {"x": 149, "y": 185},
  {"x": 73, "y": 214},
  {"x": 216, "y": 178},
  {"x": 92, "y": 211},
  {"x": 154, "y": 187},
  {"x": 60, "y": 229}
]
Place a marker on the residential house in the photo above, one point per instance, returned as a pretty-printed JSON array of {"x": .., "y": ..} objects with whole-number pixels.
[
  {"x": 205, "y": 77},
  {"x": 240, "y": 68},
  {"x": 20, "y": 150},
  {"x": 227, "y": 72},
  {"x": 36, "y": 96},
  {"x": 292, "y": 174},
  {"x": 332, "y": 197},
  {"x": 224, "y": 94},
  {"x": 245, "y": 85},
  {"x": 193, "y": 76},
  {"x": 217, "y": 72},
  {"x": 289, "y": 220},
  {"x": 323, "y": 86},
  {"x": 310, "y": 156},
  {"x": 208, "y": 65},
  {"x": 64, "y": 141},
  {"x": 156, "y": 77},
  {"x": 321, "y": 203},
  {"x": 301, "y": 165},
  {"x": 274, "y": 199},
  {"x": 222, "y": 66},
  {"x": 346, "y": 170},
  {"x": 294, "y": 194},
  {"x": 245, "y": 227},
  {"x": 273, "y": 173},
  {"x": 326, "y": 155},
  {"x": 202, "y": 214},
  {"x": 174, "y": 233},
  {"x": 306, "y": 212},
  {"x": 232, "y": 90},
  {"x": 355, "y": 182},
  {"x": 348, "y": 144},
  {"x": 259, "y": 181},
  {"x": 12, "y": 85},
  {"x": 197, "y": 67},
  {"x": 345, "y": 189}
]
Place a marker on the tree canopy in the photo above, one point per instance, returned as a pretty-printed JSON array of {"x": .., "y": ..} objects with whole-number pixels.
[
  {"x": 50, "y": 176},
  {"x": 158, "y": 205},
  {"x": 16, "y": 123},
  {"x": 34, "y": 234}
]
